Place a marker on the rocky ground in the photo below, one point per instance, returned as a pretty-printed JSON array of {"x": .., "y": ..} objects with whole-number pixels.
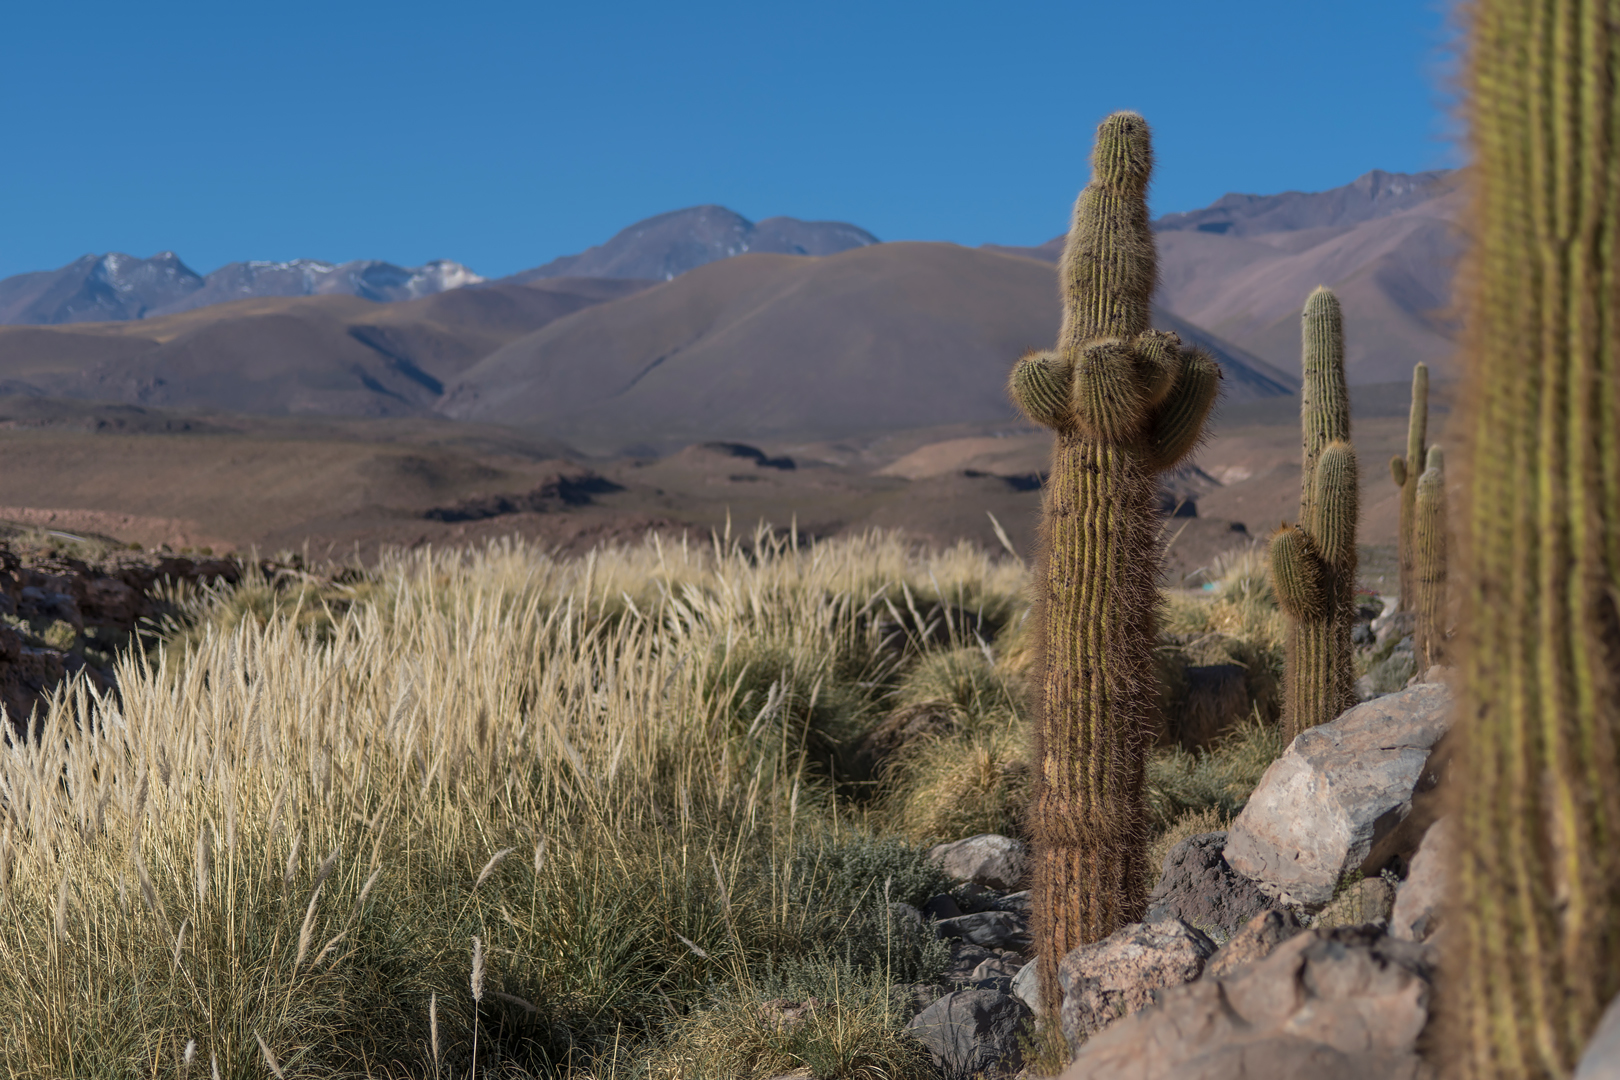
[
  {"x": 70, "y": 604},
  {"x": 1303, "y": 940}
]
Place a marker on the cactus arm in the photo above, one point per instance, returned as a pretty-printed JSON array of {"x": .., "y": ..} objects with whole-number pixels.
[
  {"x": 1298, "y": 577},
  {"x": 1159, "y": 359},
  {"x": 1336, "y": 502},
  {"x": 1397, "y": 470},
  {"x": 1179, "y": 424},
  {"x": 1039, "y": 385}
]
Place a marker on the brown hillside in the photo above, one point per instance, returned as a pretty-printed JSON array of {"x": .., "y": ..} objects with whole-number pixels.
[
  {"x": 308, "y": 354},
  {"x": 775, "y": 347}
]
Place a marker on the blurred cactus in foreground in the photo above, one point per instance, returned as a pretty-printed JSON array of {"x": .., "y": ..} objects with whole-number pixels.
[
  {"x": 1535, "y": 952},
  {"x": 1126, "y": 403}
]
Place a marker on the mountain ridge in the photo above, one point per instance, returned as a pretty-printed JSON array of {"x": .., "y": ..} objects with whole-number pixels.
[
  {"x": 121, "y": 288},
  {"x": 1386, "y": 243},
  {"x": 667, "y": 245}
]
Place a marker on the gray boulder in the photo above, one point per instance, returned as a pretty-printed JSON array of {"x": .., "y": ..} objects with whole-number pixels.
[
  {"x": 1199, "y": 888},
  {"x": 1123, "y": 973},
  {"x": 991, "y": 929},
  {"x": 972, "y": 1032},
  {"x": 1342, "y": 1004},
  {"x": 999, "y": 862},
  {"x": 1602, "y": 1058},
  {"x": 997, "y": 967},
  {"x": 1332, "y": 803},
  {"x": 965, "y": 960},
  {"x": 1253, "y": 942},
  {"x": 1417, "y": 902},
  {"x": 1026, "y": 986}
]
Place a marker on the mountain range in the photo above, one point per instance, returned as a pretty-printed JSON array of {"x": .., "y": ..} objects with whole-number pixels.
[
  {"x": 664, "y": 247},
  {"x": 700, "y": 324},
  {"x": 118, "y": 287}
]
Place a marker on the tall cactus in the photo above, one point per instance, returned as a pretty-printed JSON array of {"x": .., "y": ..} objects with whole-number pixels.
[
  {"x": 1429, "y": 564},
  {"x": 1404, "y": 471},
  {"x": 1126, "y": 402},
  {"x": 1313, "y": 563},
  {"x": 1537, "y": 886}
]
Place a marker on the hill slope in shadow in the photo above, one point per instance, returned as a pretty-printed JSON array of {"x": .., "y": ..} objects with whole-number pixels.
[
  {"x": 326, "y": 355},
  {"x": 886, "y": 337}
]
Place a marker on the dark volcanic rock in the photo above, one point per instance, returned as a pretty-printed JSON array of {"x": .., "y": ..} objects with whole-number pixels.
[
  {"x": 973, "y": 1033},
  {"x": 1199, "y": 888},
  {"x": 561, "y": 491}
]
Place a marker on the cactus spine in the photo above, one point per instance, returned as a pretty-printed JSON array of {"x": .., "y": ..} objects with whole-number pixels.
[
  {"x": 1313, "y": 563},
  {"x": 1429, "y": 569},
  {"x": 1404, "y": 471},
  {"x": 1125, "y": 402},
  {"x": 1536, "y": 955}
]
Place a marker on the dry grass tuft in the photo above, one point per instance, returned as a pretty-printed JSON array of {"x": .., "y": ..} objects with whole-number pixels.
[{"x": 657, "y": 723}]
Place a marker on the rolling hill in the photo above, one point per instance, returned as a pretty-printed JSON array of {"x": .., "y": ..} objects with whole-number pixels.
[
  {"x": 770, "y": 347},
  {"x": 324, "y": 355}
]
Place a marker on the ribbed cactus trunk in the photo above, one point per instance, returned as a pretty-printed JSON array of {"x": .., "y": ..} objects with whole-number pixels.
[
  {"x": 1429, "y": 567},
  {"x": 1313, "y": 563},
  {"x": 1404, "y": 471},
  {"x": 1125, "y": 402},
  {"x": 1536, "y": 952}
]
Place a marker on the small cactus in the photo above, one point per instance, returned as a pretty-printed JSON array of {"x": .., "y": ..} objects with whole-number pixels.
[
  {"x": 1429, "y": 577},
  {"x": 1125, "y": 402},
  {"x": 1313, "y": 563},
  {"x": 1404, "y": 471}
]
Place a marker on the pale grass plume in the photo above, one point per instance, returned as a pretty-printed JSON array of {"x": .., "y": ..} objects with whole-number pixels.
[
  {"x": 308, "y": 929},
  {"x": 62, "y": 905},
  {"x": 204, "y": 863},
  {"x": 690, "y": 944},
  {"x": 489, "y": 867},
  {"x": 540, "y": 854},
  {"x": 433, "y": 1027},
  {"x": 512, "y": 999},
  {"x": 213, "y": 1066},
  {"x": 5, "y": 864},
  {"x": 329, "y": 948},
  {"x": 180, "y": 941},
  {"x": 292, "y": 862},
  {"x": 190, "y": 1053},
  {"x": 477, "y": 977},
  {"x": 270, "y": 1058},
  {"x": 326, "y": 866},
  {"x": 360, "y": 901}
]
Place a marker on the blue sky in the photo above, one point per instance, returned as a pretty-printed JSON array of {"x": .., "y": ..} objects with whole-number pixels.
[{"x": 503, "y": 134}]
